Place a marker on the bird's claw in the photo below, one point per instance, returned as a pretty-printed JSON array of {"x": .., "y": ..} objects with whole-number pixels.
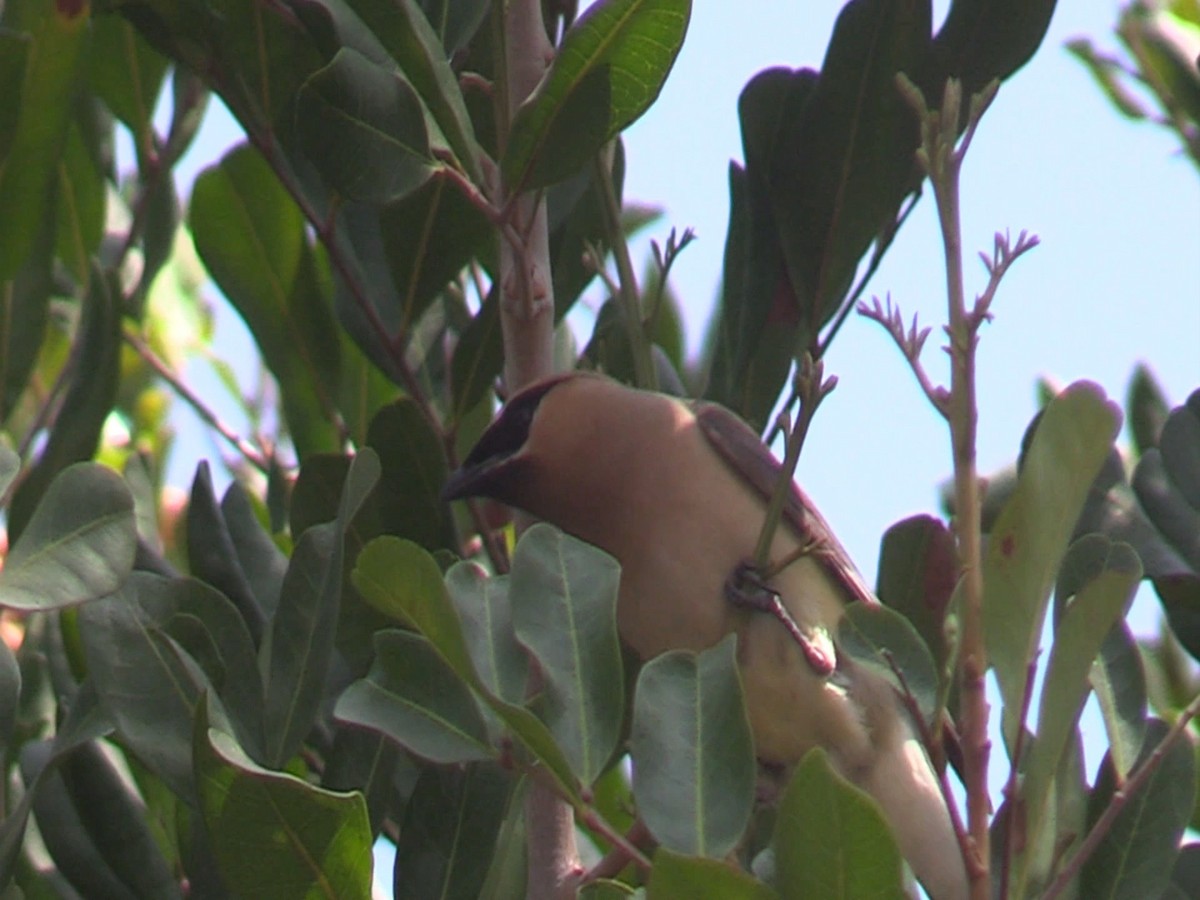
[{"x": 746, "y": 588}]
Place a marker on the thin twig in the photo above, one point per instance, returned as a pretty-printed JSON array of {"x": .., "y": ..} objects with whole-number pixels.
[
  {"x": 613, "y": 862},
  {"x": 1120, "y": 798},
  {"x": 247, "y": 450}
]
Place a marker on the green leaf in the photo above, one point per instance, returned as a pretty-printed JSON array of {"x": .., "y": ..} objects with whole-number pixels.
[
  {"x": 79, "y": 216},
  {"x": 449, "y": 832},
  {"x": 486, "y": 615},
  {"x": 54, "y": 41},
  {"x": 10, "y": 696},
  {"x": 113, "y": 816},
  {"x": 1136, "y": 855},
  {"x": 1097, "y": 606},
  {"x": 79, "y": 544},
  {"x": 364, "y": 129},
  {"x": 259, "y": 558},
  {"x": 84, "y": 721},
  {"x": 610, "y": 67},
  {"x": 94, "y": 373},
  {"x": 127, "y": 74},
  {"x": 693, "y": 754},
  {"x": 564, "y": 605},
  {"x": 1119, "y": 682},
  {"x": 981, "y": 40},
  {"x": 842, "y": 157},
  {"x": 274, "y": 835},
  {"x": 296, "y": 657},
  {"x": 145, "y": 683},
  {"x": 410, "y": 40},
  {"x": 367, "y": 762},
  {"x": 831, "y": 840},
  {"x": 879, "y": 637},
  {"x": 413, "y": 470},
  {"x": 403, "y": 581},
  {"x": 756, "y": 335},
  {"x": 455, "y": 21},
  {"x": 1108, "y": 75},
  {"x": 212, "y": 557},
  {"x": 251, "y": 236},
  {"x": 24, "y": 312},
  {"x": 1069, "y": 444},
  {"x": 675, "y": 875},
  {"x": 918, "y": 569},
  {"x": 1146, "y": 409},
  {"x": 414, "y": 698}
]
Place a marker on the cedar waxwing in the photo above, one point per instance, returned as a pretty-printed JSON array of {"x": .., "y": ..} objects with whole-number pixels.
[{"x": 677, "y": 493}]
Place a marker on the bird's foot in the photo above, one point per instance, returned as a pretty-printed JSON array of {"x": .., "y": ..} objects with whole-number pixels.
[{"x": 747, "y": 589}]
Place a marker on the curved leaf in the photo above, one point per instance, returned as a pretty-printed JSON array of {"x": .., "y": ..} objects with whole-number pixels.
[
  {"x": 413, "y": 697},
  {"x": 675, "y": 875},
  {"x": 364, "y": 128},
  {"x": 609, "y": 69},
  {"x": 274, "y": 835},
  {"x": 78, "y": 546},
  {"x": 879, "y": 638}
]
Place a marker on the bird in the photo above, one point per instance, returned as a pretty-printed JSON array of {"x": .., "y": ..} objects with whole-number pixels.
[{"x": 677, "y": 491}]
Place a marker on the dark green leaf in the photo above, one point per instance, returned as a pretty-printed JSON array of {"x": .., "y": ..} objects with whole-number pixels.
[
  {"x": 363, "y": 761},
  {"x": 609, "y": 69},
  {"x": 364, "y": 128},
  {"x": 406, "y": 34},
  {"x": 455, "y": 21},
  {"x": 85, "y": 721},
  {"x": 57, "y": 35},
  {"x": 1135, "y": 857},
  {"x": 274, "y": 835},
  {"x": 127, "y": 74},
  {"x": 449, "y": 832},
  {"x": 95, "y": 369},
  {"x": 296, "y": 658},
  {"x": 1146, "y": 408},
  {"x": 413, "y": 471},
  {"x": 414, "y": 698},
  {"x": 250, "y": 235},
  {"x": 831, "y": 840},
  {"x": 113, "y": 816},
  {"x": 693, "y": 754},
  {"x": 79, "y": 217},
  {"x": 1069, "y": 445},
  {"x": 675, "y": 876},
  {"x": 10, "y": 695},
  {"x": 78, "y": 546},
  {"x": 259, "y": 558},
  {"x": 982, "y": 40},
  {"x": 146, "y": 685},
  {"x": 918, "y": 569},
  {"x": 757, "y": 332},
  {"x": 24, "y": 311},
  {"x": 211, "y": 554},
  {"x": 564, "y": 606}
]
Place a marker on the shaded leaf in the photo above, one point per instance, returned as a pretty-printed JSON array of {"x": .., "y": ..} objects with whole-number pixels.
[
  {"x": 1119, "y": 682},
  {"x": 564, "y": 606},
  {"x": 127, "y": 74},
  {"x": 274, "y": 835},
  {"x": 449, "y": 832},
  {"x": 881, "y": 638},
  {"x": 48, "y": 54},
  {"x": 79, "y": 544},
  {"x": 693, "y": 754},
  {"x": 611, "y": 65},
  {"x": 364, "y": 761},
  {"x": 259, "y": 558},
  {"x": 364, "y": 129},
  {"x": 982, "y": 40},
  {"x": 94, "y": 373},
  {"x": 1135, "y": 858},
  {"x": 251, "y": 236},
  {"x": 675, "y": 875},
  {"x": 831, "y": 839},
  {"x": 414, "y": 698},
  {"x": 24, "y": 312}
]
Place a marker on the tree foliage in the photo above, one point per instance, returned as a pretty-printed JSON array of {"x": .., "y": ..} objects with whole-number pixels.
[{"x": 239, "y": 695}]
